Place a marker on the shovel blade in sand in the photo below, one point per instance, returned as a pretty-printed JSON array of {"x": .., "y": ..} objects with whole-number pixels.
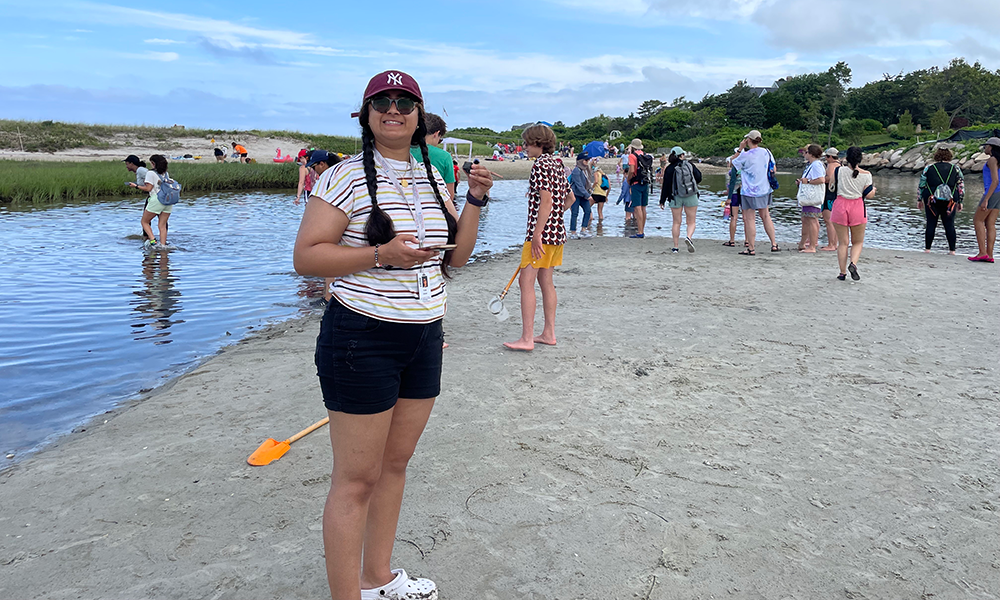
[{"x": 271, "y": 450}]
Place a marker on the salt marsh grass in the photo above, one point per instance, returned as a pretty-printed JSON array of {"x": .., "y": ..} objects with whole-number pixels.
[{"x": 40, "y": 182}]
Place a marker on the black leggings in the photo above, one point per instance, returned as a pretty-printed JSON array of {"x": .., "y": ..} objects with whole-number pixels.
[{"x": 935, "y": 209}]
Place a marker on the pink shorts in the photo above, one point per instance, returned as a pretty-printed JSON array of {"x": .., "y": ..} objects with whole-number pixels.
[{"x": 849, "y": 211}]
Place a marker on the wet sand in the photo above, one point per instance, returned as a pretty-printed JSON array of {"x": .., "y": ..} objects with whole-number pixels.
[{"x": 709, "y": 425}]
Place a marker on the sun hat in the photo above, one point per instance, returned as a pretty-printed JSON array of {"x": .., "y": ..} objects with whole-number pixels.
[
  {"x": 831, "y": 151},
  {"x": 318, "y": 156},
  {"x": 636, "y": 143},
  {"x": 387, "y": 81},
  {"x": 677, "y": 151},
  {"x": 993, "y": 141},
  {"x": 132, "y": 158},
  {"x": 753, "y": 135}
]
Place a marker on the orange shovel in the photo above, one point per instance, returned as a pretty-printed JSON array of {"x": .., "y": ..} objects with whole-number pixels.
[{"x": 271, "y": 450}]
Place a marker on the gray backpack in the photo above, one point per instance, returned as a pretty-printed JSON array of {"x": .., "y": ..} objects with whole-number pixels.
[
  {"x": 943, "y": 191},
  {"x": 684, "y": 184},
  {"x": 169, "y": 192}
]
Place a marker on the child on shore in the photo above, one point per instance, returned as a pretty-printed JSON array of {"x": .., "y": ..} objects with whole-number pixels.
[{"x": 548, "y": 190}]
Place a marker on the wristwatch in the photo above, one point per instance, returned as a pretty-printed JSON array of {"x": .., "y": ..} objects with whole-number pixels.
[{"x": 475, "y": 201}]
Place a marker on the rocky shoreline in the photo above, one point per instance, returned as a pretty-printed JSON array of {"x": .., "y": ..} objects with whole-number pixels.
[{"x": 969, "y": 158}]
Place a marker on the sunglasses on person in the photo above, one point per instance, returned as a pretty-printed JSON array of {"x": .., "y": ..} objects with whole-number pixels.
[{"x": 404, "y": 105}]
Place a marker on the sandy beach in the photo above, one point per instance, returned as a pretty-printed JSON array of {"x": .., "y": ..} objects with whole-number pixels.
[{"x": 709, "y": 426}]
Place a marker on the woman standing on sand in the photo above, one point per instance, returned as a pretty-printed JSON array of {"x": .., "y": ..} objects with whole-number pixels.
[
  {"x": 854, "y": 186},
  {"x": 153, "y": 207},
  {"x": 985, "y": 219},
  {"x": 375, "y": 223},
  {"x": 680, "y": 188},
  {"x": 753, "y": 163},
  {"x": 544, "y": 240},
  {"x": 941, "y": 189},
  {"x": 832, "y": 162},
  {"x": 812, "y": 194}
]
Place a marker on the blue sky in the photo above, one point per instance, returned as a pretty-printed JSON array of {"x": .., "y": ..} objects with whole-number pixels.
[{"x": 280, "y": 65}]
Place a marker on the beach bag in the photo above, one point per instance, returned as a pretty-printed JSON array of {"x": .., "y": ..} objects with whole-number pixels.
[
  {"x": 605, "y": 183},
  {"x": 943, "y": 191},
  {"x": 643, "y": 169},
  {"x": 810, "y": 195},
  {"x": 170, "y": 191},
  {"x": 772, "y": 178},
  {"x": 684, "y": 183}
]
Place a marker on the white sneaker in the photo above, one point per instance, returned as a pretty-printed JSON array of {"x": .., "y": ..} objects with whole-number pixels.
[
  {"x": 586, "y": 235},
  {"x": 689, "y": 243},
  {"x": 403, "y": 588},
  {"x": 573, "y": 235}
]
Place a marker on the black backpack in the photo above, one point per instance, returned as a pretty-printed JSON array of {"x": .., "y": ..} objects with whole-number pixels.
[{"x": 643, "y": 170}]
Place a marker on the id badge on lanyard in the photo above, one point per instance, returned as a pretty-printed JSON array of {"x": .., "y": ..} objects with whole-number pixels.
[{"x": 417, "y": 211}]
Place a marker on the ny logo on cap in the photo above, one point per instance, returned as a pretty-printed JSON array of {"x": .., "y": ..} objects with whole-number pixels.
[{"x": 395, "y": 79}]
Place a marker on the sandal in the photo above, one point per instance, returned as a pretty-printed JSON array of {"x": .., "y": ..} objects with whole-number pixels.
[
  {"x": 730, "y": 244},
  {"x": 748, "y": 252},
  {"x": 775, "y": 248}
]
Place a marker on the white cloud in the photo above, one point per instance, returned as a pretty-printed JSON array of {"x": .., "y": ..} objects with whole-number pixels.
[
  {"x": 160, "y": 56},
  {"x": 227, "y": 31},
  {"x": 162, "y": 42}
]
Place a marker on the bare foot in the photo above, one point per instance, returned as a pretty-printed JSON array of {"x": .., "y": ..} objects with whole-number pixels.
[
  {"x": 927, "y": 251},
  {"x": 829, "y": 248},
  {"x": 952, "y": 253},
  {"x": 521, "y": 345},
  {"x": 541, "y": 339},
  {"x": 444, "y": 345},
  {"x": 807, "y": 251}
]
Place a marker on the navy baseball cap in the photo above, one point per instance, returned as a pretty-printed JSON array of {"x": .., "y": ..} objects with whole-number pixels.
[{"x": 318, "y": 156}]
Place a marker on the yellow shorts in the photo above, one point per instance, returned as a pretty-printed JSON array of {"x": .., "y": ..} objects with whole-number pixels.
[{"x": 552, "y": 258}]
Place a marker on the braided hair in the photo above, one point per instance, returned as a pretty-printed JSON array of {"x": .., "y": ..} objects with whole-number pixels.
[{"x": 380, "y": 229}]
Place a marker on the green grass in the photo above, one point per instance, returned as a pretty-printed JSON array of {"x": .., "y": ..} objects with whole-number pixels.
[
  {"x": 40, "y": 182},
  {"x": 52, "y": 136}
]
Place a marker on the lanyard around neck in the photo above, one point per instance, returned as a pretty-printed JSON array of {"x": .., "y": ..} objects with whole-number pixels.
[{"x": 416, "y": 210}]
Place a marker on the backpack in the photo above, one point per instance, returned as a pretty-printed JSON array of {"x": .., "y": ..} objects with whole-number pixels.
[
  {"x": 170, "y": 191},
  {"x": 943, "y": 191},
  {"x": 605, "y": 183},
  {"x": 643, "y": 170},
  {"x": 772, "y": 178},
  {"x": 684, "y": 184}
]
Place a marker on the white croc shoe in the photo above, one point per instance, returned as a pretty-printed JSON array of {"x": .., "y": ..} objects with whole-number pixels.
[{"x": 403, "y": 587}]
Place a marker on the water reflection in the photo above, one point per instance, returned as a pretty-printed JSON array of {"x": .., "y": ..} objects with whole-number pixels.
[{"x": 157, "y": 301}]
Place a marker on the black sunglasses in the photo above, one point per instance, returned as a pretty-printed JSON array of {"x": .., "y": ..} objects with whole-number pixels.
[{"x": 404, "y": 105}]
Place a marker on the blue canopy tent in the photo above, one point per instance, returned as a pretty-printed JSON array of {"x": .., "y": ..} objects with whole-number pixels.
[{"x": 595, "y": 149}]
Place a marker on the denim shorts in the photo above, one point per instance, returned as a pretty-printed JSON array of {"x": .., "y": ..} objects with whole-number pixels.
[{"x": 366, "y": 364}]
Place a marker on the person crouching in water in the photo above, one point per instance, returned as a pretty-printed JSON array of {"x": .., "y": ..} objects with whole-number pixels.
[{"x": 548, "y": 190}]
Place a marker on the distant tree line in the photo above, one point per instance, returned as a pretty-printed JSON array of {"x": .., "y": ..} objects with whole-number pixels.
[{"x": 814, "y": 107}]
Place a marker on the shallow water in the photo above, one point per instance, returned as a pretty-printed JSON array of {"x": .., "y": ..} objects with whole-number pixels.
[{"x": 89, "y": 319}]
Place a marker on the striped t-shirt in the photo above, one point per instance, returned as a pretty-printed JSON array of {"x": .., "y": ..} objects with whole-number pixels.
[{"x": 389, "y": 294}]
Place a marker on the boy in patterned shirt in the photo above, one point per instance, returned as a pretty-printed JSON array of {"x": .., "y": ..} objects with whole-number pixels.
[{"x": 548, "y": 189}]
